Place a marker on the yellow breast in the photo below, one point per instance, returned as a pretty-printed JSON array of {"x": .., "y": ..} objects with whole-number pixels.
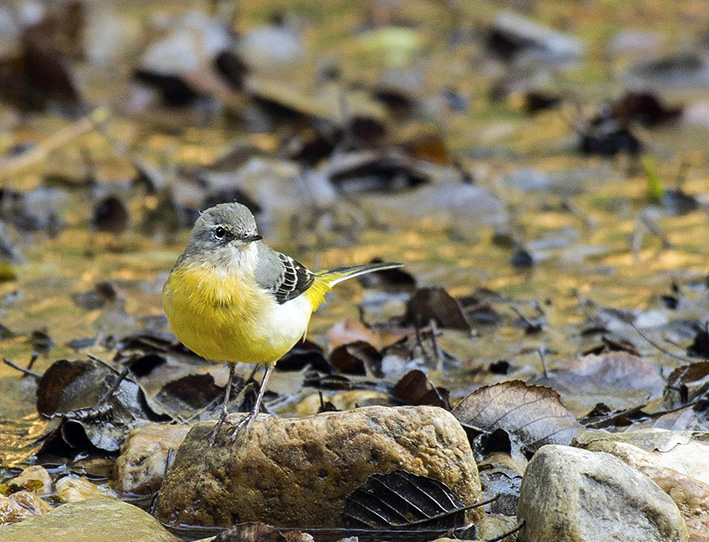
[{"x": 222, "y": 318}]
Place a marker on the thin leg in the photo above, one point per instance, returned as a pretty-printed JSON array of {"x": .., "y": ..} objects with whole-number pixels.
[
  {"x": 251, "y": 416},
  {"x": 225, "y": 406}
]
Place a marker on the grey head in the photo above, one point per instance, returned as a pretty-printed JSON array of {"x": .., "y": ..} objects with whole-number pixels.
[{"x": 219, "y": 232}]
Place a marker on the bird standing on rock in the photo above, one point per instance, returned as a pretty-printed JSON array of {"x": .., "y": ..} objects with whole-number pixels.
[{"x": 230, "y": 297}]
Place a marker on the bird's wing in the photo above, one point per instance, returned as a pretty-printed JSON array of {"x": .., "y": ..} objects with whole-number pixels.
[
  {"x": 294, "y": 280},
  {"x": 281, "y": 275}
]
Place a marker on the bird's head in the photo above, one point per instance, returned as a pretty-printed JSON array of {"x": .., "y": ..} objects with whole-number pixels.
[{"x": 223, "y": 236}]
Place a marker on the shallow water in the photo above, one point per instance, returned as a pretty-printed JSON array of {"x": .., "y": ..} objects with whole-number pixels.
[{"x": 581, "y": 229}]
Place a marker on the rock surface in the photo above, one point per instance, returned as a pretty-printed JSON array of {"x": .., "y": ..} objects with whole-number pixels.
[
  {"x": 143, "y": 461},
  {"x": 297, "y": 472},
  {"x": 684, "y": 451},
  {"x": 677, "y": 461},
  {"x": 76, "y": 489},
  {"x": 573, "y": 495},
  {"x": 21, "y": 506},
  {"x": 35, "y": 479},
  {"x": 98, "y": 520}
]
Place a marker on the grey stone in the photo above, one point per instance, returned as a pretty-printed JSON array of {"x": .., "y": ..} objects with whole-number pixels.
[
  {"x": 573, "y": 495},
  {"x": 541, "y": 43},
  {"x": 677, "y": 461}
]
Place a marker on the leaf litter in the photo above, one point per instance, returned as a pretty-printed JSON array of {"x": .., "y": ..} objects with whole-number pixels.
[{"x": 583, "y": 303}]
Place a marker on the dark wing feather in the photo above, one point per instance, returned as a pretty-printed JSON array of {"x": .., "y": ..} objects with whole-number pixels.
[{"x": 294, "y": 280}]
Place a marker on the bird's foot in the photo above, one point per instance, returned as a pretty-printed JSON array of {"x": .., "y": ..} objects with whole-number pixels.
[
  {"x": 243, "y": 424},
  {"x": 215, "y": 430}
]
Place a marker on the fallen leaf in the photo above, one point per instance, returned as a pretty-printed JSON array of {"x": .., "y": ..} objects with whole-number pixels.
[
  {"x": 357, "y": 358},
  {"x": 685, "y": 384},
  {"x": 436, "y": 304},
  {"x": 110, "y": 215},
  {"x": 304, "y": 354},
  {"x": 616, "y": 369},
  {"x": 619, "y": 379},
  {"x": 415, "y": 389},
  {"x": 84, "y": 395},
  {"x": 256, "y": 532},
  {"x": 387, "y": 278},
  {"x": 400, "y": 499},
  {"x": 700, "y": 346},
  {"x": 193, "y": 391},
  {"x": 532, "y": 415}
]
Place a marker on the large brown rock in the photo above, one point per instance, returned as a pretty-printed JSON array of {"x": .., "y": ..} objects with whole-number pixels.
[
  {"x": 297, "y": 472},
  {"x": 573, "y": 495}
]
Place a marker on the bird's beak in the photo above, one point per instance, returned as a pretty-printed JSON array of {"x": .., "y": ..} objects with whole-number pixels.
[{"x": 252, "y": 238}]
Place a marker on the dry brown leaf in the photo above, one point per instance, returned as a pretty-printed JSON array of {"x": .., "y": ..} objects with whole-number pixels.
[
  {"x": 617, "y": 379},
  {"x": 685, "y": 384},
  {"x": 614, "y": 370},
  {"x": 436, "y": 304},
  {"x": 532, "y": 415}
]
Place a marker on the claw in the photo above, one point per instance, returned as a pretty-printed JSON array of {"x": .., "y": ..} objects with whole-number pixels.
[{"x": 246, "y": 421}]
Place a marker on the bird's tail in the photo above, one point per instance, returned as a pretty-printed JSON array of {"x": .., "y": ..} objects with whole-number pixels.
[
  {"x": 338, "y": 274},
  {"x": 325, "y": 280}
]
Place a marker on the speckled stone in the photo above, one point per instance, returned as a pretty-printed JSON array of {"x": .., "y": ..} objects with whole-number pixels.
[
  {"x": 573, "y": 495},
  {"x": 298, "y": 472},
  {"x": 143, "y": 461}
]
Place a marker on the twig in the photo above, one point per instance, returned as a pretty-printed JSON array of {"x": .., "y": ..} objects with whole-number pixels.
[
  {"x": 522, "y": 316},
  {"x": 419, "y": 332},
  {"x": 514, "y": 529},
  {"x": 682, "y": 173},
  {"x": 435, "y": 390},
  {"x": 660, "y": 348},
  {"x": 16, "y": 164},
  {"x": 576, "y": 211},
  {"x": 35, "y": 356},
  {"x": 434, "y": 342},
  {"x": 541, "y": 351},
  {"x": 22, "y": 369},
  {"x": 113, "y": 389},
  {"x": 582, "y": 303},
  {"x": 531, "y": 326}
]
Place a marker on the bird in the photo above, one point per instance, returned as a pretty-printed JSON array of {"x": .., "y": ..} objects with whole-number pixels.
[{"x": 232, "y": 298}]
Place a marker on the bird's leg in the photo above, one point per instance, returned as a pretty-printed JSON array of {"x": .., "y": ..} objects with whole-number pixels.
[
  {"x": 225, "y": 406},
  {"x": 251, "y": 416}
]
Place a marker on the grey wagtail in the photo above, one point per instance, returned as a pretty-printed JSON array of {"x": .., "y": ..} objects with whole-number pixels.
[{"x": 230, "y": 297}]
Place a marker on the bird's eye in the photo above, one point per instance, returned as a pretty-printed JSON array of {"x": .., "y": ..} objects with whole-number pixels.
[{"x": 220, "y": 233}]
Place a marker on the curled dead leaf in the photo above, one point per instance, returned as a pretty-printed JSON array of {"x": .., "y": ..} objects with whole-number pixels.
[{"x": 532, "y": 415}]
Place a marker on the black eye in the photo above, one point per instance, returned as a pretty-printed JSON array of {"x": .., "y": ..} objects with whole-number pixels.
[{"x": 220, "y": 233}]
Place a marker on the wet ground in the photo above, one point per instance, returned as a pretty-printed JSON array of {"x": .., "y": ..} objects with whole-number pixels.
[{"x": 595, "y": 238}]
